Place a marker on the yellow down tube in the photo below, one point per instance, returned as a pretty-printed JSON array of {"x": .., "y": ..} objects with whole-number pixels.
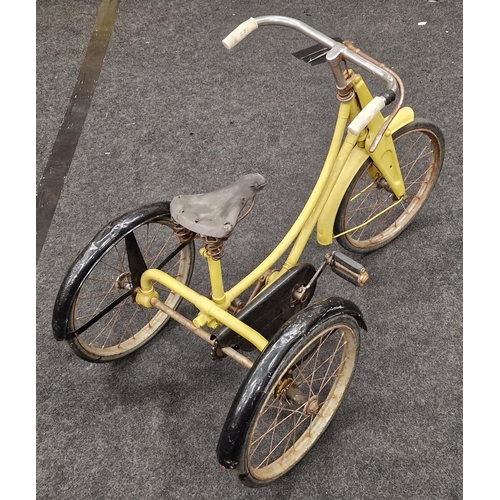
[{"x": 319, "y": 188}]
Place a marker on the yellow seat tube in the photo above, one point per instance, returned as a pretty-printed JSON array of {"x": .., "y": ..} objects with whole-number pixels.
[
  {"x": 216, "y": 281},
  {"x": 202, "y": 303}
]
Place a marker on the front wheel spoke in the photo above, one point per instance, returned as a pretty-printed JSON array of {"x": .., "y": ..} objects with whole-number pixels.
[
  {"x": 410, "y": 166},
  {"x": 411, "y": 147},
  {"x": 373, "y": 208},
  {"x": 379, "y": 223},
  {"x": 419, "y": 181},
  {"x": 364, "y": 203},
  {"x": 363, "y": 191}
]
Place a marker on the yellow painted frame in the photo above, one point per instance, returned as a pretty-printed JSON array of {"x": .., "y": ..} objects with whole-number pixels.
[{"x": 346, "y": 156}]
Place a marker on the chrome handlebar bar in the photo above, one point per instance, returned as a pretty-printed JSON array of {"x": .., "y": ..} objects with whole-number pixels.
[{"x": 338, "y": 50}]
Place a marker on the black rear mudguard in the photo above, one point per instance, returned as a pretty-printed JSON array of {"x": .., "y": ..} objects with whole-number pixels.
[
  {"x": 254, "y": 387},
  {"x": 90, "y": 255}
]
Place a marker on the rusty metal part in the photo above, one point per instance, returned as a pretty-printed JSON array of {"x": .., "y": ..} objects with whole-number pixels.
[
  {"x": 360, "y": 279},
  {"x": 259, "y": 285},
  {"x": 295, "y": 395},
  {"x": 251, "y": 204},
  {"x": 312, "y": 407},
  {"x": 229, "y": 351},
  {"x": 282, "y": 386},
  {"x": 185, "y": 235},
  {"x": 217, "y": 353},
  {"x": 286, "y": 389},
  {"x": 270, "y": 309},
  {"x": 236, "y": 307},
  {"x": 399, "y": 103},
  {"x": 301, "y": 294},
  {"x": 253, "y": 392},
  {"x": 346, "y": 93},
  {"x": 215, "y": 246}
]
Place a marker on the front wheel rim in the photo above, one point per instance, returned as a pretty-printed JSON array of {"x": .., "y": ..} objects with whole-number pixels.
[{"x": 362, "y": 207}]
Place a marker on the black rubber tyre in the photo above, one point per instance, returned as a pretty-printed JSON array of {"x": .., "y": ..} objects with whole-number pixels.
[
  {"x": 420, "y": 149},
  {"x": 102, "y": 273},
  {"x": 291, "y": 394}
]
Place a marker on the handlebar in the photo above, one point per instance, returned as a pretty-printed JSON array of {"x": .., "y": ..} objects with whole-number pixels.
[
  {"x": 338, "y": 51},
  {"x": 245, "y": 28},
  {"x": 251, "y": 24}
]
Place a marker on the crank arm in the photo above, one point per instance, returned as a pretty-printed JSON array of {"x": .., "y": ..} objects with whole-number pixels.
[{"x": 303, "y": 291}]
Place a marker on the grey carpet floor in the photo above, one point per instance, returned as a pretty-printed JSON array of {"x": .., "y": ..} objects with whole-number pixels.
[{"x": 174, "y": 112}]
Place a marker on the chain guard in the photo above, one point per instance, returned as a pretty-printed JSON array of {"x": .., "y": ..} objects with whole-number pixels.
[{"x": 270, "y": 309}]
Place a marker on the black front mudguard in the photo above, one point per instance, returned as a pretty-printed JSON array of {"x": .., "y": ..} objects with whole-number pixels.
[{"x": 254, "y": 387}]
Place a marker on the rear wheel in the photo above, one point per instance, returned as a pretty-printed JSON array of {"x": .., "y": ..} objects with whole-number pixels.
[
  {"x": 420, "y": 149},
  {"x": 95, "y": 310},
  {"x": 300, "y": 401}
]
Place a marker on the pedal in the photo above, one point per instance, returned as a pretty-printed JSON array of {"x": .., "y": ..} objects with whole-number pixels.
[{"x": 349, "y": 269}]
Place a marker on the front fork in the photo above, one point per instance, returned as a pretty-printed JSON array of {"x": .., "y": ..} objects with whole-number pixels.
[{"x": 384, "y": 157}]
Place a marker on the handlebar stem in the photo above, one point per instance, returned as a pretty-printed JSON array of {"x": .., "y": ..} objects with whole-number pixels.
[{"x": 338, "y": 50}]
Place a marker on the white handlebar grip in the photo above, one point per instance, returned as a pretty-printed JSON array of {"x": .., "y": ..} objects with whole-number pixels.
[
  {"x": 366, "y": 115},
  {"x": 239, "y": 33}
]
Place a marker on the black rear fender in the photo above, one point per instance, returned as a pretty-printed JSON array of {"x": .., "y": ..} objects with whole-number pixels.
[
  {"x": 255, "y": 385},
  {"x": 90, "y": 255}
]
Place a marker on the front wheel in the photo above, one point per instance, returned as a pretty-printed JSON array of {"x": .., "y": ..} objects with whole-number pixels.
[
  {"x": 369, "y": 217},
  {"x": 292, "y": 393},
  {"x": 95, "y": 310}
]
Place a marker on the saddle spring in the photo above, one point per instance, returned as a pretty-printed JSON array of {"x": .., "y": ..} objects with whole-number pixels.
[{"x": 215, "y": 246}]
